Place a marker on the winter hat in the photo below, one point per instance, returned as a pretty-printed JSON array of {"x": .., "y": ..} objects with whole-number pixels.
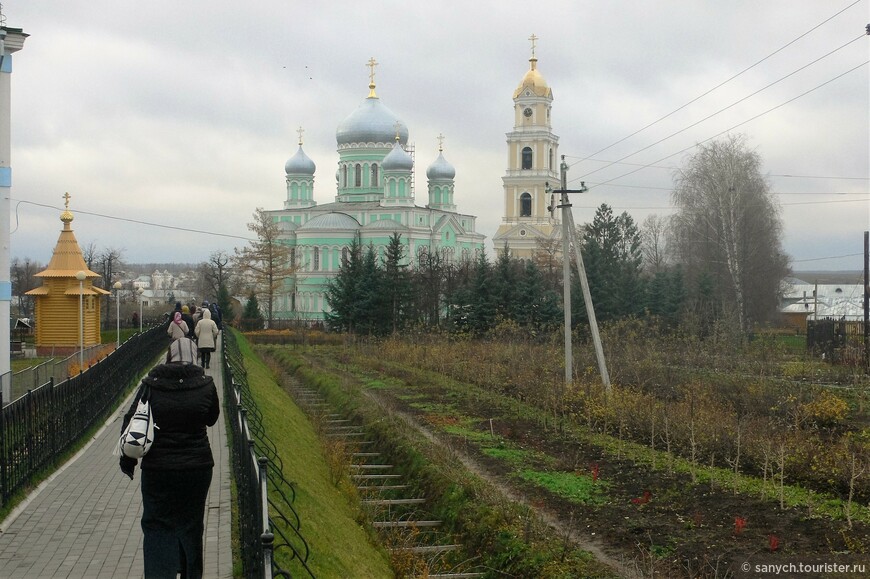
[
  {"x": 185, "y": 310},
  {"x": 182, "y": 350}
]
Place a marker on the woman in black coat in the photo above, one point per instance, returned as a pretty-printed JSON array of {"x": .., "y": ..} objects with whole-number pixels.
[{"x": 177, "y": 470}]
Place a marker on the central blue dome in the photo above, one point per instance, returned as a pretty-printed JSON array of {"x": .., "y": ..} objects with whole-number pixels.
[{"x": 371, "y": 122}]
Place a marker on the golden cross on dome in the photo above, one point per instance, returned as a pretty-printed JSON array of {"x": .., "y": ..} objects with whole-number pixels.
[
  {"x": 372, "y": 63},
  {"x": 66, "y": 197},
  {"x": 440, "y": 142},
  {"x": 398, "y": 126},
  {"x": 300, "y": 130},
  {"x": 534, "y": 39}
]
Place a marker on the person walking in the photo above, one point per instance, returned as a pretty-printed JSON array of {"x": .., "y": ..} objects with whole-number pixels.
[
  {"x": 206, "y": 337},
  {"x": 177, "y": 471},
  {"x": 177, "y": 327}
]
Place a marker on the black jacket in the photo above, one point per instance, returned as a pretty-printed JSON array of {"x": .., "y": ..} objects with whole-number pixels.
[{"x": 184, "y": 402}]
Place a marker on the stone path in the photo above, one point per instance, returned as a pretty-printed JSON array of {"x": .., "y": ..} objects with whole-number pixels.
[{"x": 83, "y": 522}]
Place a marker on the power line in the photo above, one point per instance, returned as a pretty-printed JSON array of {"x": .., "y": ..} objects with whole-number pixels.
[
  {"x": 128, "y": 220},
  {"x": 829, "y": 257},
  {"x": 735, "y": 126},
  {"x": 674, "y": 168},
  {"x": 723, "y": 83},
  {"x": 735, "y": 103}
]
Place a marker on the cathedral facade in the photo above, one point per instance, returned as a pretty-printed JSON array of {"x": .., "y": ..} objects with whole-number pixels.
[
  {"x": 532, "y": 164},
  {"x": 375, "y": 198}
]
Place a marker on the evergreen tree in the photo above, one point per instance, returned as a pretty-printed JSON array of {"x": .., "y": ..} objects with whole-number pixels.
[
  {"x": 372, "y": 310},
  {"x": 341, "y": 292},
  {"x": 225, "y": 304},
  {"x": 482, "y": 311},
  {"x": 252, "y": 318},
  {"x": 397, "y": 284},
  {"x": 612, "y": 257},
  {"x": 504, "y": 285},
  {"x": 538, "y": 306}
]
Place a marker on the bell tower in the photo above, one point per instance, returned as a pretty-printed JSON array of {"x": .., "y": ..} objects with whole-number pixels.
[{"x": 532, "y": 162}]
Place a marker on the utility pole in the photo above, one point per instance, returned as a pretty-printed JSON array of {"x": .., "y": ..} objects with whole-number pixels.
[
  {"x": 11, "y": 40},
  {"x": 867, "y": 292},
  {"x": 567, "y": 240}
]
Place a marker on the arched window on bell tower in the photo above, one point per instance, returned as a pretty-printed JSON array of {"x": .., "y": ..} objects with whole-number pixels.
[
  {"x": 527, "y": 158},
  {"x": 374, "y": 175},
  {"x": 357, "y": 175},
  {"x": 525, "y": 205}
]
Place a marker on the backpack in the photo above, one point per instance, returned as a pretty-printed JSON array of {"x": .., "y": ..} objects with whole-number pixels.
[{"x": 136, "y": 439}]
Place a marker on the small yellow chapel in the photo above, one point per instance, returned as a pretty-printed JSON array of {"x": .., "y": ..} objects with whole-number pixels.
[{"x": 67, "y": 304}]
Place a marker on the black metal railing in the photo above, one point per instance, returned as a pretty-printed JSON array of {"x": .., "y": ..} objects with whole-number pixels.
[
  {"x": 43, "y": 424},
  {"x": 269, "y": 528}
]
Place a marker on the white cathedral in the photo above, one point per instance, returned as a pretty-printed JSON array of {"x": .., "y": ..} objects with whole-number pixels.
[{"x": 375, "y": 197}]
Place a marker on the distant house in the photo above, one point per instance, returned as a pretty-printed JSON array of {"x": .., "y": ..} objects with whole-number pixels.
[{"x": 802, "y": 301}]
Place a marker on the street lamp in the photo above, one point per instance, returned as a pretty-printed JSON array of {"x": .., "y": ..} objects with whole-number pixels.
[
  {"x": 117, "y": 286},
  {"x": 140, "y": 291},
  {"x": 80, "y": 275}
]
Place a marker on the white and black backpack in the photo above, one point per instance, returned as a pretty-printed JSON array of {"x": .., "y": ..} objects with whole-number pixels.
[{"x": 136, "y": 439}]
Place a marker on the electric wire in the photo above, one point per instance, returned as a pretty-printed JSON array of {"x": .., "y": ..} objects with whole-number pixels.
[
  {"x": 735, "y": 103},
  {"x": 719, "y": 134},
  {"x": 723, "y": 83},
  {"x": 128, "y": 220}
]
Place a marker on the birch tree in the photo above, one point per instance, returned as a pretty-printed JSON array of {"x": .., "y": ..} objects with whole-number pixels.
[{"x": 728, "y": 227}]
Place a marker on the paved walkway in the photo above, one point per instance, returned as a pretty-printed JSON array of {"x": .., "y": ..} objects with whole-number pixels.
[{"x": 84, "y": 521}]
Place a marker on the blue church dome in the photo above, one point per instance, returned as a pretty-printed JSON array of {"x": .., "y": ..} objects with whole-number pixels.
[
  {"x": 372, "y": 122},
  {"x": 440, "y": 169},
  {"x": 299, "y": 164},
  {"x": 397, "y": 160}
]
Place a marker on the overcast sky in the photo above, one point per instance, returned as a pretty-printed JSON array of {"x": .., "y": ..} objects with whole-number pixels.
[{"x": 183, "y": 113}]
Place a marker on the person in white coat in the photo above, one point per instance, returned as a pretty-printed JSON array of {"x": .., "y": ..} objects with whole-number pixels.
[{"x": 206, "y": 337}]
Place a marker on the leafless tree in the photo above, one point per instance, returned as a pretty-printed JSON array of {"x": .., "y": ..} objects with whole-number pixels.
[
  {"x": 108, "y": 263},
  {"x": 23, "y": 280},
  {"x": 728, "y": 227},
  {"x": 214, "y": 273},
  {"x": 653, "y": 240},
  {"x": 266, "y": 261},
  {"x": 91, "y": 254}
]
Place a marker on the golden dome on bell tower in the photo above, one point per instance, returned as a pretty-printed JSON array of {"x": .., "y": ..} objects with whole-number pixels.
[{"x": 533, "y": 79}]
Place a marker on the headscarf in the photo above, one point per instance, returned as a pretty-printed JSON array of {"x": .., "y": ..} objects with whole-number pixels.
[
  {"x": 182, "y": 350},
  {"x": 177, "y": 318}
]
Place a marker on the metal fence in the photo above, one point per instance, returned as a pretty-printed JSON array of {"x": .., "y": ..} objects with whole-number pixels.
[
  {"x": 837, "y": 340},
  {"x": 270, "y": 540},
  {"x": 59, "y": 369},
  {"x": 39, "y": 427}
]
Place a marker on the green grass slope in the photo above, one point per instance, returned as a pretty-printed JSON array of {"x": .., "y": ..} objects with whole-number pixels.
[{"x": 340, "y": 546}]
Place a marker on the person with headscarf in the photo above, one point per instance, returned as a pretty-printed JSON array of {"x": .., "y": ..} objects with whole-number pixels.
[
  {"x": 206, "y": 337},
  {"x": 177, "y": 471},
  {"x": 177, "y": 327}
]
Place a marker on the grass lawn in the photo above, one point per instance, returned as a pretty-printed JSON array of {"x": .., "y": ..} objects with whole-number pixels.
[{"x": 340, "y": 547}]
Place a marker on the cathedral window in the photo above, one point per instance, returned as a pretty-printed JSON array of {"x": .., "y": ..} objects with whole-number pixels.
[
  {"x": 344, "y": 256},
  {"x": 316, "y": 265},
  {"x": 551, "y": 159},
  {"x": 374, "y": 175},
  {"x": 527, "y": 158},
  {"x": 357, "y": 175},
  {"x": 525, "y": 205},
  {"x": 293, "y": 257},
  {"x": 344, "y": 176}
]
